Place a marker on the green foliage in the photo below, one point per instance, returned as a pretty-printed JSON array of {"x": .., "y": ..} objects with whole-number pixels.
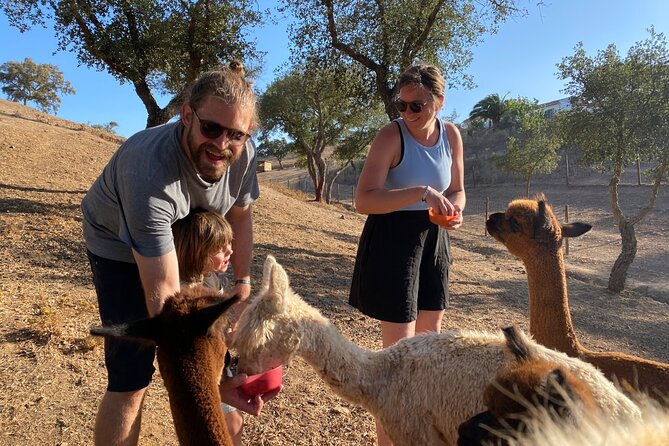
[
  {"x": 620, "y": 106},
  {"x": 317, "y": 107},
  {"x": 620, "y": 115},
  {"x": 386, "y": 36},
  {"x": 278, "y": 148},
  {"x": 533, "y": 147},
  {"x": 157, "y": 45},
  {"x": 40, "y": 84},
  {"x": 491, "y": 107},
  {"x": 107, "y": 127}
]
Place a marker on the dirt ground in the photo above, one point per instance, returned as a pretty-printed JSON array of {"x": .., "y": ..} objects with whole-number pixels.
[{"x": 52, "y": 373}]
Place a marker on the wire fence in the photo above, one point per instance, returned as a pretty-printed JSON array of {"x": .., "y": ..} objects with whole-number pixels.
[{"x": 478, "y": 208}]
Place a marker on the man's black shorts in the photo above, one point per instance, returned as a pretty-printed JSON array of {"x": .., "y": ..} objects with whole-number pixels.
[{"x": 121, "y": 299}]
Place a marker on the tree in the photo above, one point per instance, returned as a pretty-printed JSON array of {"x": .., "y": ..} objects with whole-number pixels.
[
  {"x": 107, "y": 127},
  {"x": 491, "y": 107},
  {"x": 533, "y": 146},
  {"x": 278, "y": 148},
  {"x": 386, "y": 36},
  {"x": 28, "y": 81},
  {"x": 159, "y": 46},
  {"x": 620, "y": 114},
  {"x": 352, "y": 147},
  {"x": 315, "y": 108}
]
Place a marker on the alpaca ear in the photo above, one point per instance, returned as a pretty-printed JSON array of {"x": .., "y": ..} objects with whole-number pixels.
[
  {"x": 542, "y": 221},
  {"x": 270, "y": 261},
  {"x": 145, "y": 331},
  {"x": 278, "y": 279},
  {"x": 558, "y": 389},
  {"x": 203, "y": 318},
  {"x": 517, "y": 342},
  {"x": 575, "y": 229}
]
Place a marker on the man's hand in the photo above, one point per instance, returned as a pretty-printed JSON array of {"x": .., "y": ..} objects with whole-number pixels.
[{"x": 232, "y": 394}]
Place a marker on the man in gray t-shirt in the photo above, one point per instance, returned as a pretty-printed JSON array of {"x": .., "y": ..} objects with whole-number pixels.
[{"x": 205, "y": 160}]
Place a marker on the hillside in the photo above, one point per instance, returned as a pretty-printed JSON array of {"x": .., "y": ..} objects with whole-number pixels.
[{"x": 53, "y": 372}]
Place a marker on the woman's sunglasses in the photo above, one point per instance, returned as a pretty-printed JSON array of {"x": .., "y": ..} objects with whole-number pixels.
[
  {"x": 213, "y": 130},
  {"x": 414, "y": 106}
]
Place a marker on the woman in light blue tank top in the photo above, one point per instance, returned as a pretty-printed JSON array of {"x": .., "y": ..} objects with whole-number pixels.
[{"x": 402, "y": 264}]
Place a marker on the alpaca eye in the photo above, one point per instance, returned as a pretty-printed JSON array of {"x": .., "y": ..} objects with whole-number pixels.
[{"x": 515, "y": 226}]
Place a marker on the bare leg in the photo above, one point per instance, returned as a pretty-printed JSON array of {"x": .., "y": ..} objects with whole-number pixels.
[
  {"x": 429, "y": 321},
  {"x": 119, "y": 418},
  {"x": 235, "y": 422},
  {"x": 392, "y": 332}
]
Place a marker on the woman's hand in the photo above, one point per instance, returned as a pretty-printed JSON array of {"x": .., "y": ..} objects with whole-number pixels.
[{"x": 232, "y": 394}]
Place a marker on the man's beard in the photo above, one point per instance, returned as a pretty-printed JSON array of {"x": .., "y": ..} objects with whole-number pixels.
[{"x": 203, "y": 165}]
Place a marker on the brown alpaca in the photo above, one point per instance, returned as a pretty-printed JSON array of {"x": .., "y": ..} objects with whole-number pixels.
[
  {"x": 530, "y": 231},
  {"x": 191, "y": 358},
  {"x": 520, "y": 390}
]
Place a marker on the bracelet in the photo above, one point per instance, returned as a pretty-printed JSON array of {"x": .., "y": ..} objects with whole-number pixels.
[
  {"x": 244, "y": 281},
  {"x": 425, "y": 192}
]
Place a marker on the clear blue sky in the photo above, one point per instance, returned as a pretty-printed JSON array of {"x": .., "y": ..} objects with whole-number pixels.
[{"x": 520, "y": 60}]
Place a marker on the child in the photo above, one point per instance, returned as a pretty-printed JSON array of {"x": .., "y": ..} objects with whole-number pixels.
[{"x": 203, "y": 242}]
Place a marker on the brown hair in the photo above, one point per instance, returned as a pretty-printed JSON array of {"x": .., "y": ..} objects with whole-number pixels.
[
  {"x": 196, "y": 238},
  {"x": 426, "y": 75},
  {"x": 227, "y": 83}
]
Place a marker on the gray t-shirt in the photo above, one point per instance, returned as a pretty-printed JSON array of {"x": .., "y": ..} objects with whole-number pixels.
[{"x": 148, "y": 184}]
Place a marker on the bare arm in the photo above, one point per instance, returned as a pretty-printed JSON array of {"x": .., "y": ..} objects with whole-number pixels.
[
  {"x": 240, "y": 218},
  {"x": 160, "y": 279},
  {"x": 456, "y": 191},
  {"x": 371, "y": 197}
]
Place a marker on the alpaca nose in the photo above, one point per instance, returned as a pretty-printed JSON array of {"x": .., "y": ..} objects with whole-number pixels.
[{"x": 493, "y": 221}]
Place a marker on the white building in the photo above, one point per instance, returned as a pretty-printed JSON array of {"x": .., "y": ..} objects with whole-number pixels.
[{"x": 550, "y": 108}]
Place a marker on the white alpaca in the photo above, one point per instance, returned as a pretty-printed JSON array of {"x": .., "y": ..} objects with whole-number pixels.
[{"x": 421, "y": 388}]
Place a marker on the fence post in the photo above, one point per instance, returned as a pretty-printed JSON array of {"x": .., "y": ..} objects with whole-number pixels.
[
  {"x": 353, "y": 197},
  {"x": 289, "y": 184},
  {"x": 566, "y": 220},
  {"x": 638, "y": 172},
  {"x": 337, "y": 192},
  {"x": 566, "y": 159},
  {"x": 487, "y": 206}
]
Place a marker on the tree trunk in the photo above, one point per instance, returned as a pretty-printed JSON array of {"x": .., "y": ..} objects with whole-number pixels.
[
  {"x": 619, "y": 271},
  {"x": 527, "y": 185}
]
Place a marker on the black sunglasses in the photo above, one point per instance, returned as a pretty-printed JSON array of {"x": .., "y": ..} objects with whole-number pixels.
[
  {"x": 213, "y": 130},
  {"x": 415, "y": 106}
]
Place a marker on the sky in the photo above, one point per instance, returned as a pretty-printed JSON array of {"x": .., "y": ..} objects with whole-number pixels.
[{"x": 519, "y": 60}]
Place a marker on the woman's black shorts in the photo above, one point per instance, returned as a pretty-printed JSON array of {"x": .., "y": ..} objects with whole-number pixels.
[{"x": 401, "y": 267}]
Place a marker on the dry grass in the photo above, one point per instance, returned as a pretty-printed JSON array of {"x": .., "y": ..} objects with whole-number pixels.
[{"x": 53, "y": 373}]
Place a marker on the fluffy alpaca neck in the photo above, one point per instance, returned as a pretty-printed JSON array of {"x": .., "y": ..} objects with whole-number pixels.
[
  {"x": 191, "y": 379},
  {"x": 550, "y": 319},
  {"x": 550, "y": 324},
  {"x": 340, "y": 362}
]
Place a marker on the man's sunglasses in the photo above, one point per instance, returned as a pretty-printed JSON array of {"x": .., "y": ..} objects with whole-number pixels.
[
  {"x": 415, "y": 106},
  {"x": 213, "y": 130}
]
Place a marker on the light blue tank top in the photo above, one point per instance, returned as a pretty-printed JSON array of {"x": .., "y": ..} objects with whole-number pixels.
[{"x": 420, "y": 165}]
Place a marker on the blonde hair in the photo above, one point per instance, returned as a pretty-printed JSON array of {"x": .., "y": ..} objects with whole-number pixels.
[
  {"x": 426, "y": 75},
  {"x": 227, "y": 83},
  {"x": 197, "y": 237}
]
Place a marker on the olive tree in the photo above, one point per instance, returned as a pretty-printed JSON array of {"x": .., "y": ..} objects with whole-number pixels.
[
  {"x": 41, "y": 84},
  {"x": 159, "y": 46},
  {"x": 620, "y": 114}
]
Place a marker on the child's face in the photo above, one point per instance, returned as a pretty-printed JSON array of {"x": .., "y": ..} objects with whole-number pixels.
[{"x": 221, "y": 259}]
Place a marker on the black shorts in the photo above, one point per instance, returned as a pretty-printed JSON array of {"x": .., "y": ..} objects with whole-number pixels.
[
  {"x": 401, "y": 267},
  {"x": 121, "y": 299}
]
